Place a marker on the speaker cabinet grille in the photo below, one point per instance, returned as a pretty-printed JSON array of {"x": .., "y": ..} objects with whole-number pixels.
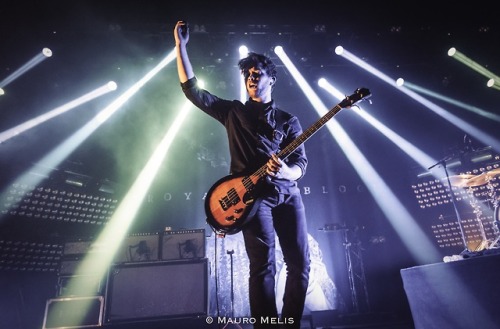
[{"x": 156, "y": 290}]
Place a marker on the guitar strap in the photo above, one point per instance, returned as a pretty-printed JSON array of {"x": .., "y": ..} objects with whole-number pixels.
[{"x": 279, "y": 130}]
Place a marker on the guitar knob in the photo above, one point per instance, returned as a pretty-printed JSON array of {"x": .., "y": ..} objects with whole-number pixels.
[
  {"x": 230, "y": 219},
  {"x": 238, "y": 211}
]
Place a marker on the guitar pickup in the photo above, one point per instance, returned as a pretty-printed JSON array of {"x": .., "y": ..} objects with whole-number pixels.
[{"x": 230, "y": 199}]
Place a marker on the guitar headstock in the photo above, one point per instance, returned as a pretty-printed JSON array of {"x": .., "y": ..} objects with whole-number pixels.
[{"x": 359, "y": 95}]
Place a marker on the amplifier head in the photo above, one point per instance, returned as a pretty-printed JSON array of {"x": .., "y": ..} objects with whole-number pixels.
[
  {"x": 138, "y": 248},
  {"x": 184, "y": 244}
]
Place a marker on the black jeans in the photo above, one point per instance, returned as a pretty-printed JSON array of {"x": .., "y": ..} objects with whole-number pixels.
[{"x": 285, "y": 215}]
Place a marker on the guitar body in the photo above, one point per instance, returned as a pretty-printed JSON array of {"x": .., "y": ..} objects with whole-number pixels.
[{"x": 231, "y": 203}]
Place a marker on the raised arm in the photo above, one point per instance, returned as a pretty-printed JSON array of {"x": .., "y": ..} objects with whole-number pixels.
[{"x": 181, "y": 35}]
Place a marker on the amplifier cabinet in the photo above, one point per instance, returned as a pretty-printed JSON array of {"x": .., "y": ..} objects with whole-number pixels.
[
  {"x": 183, "y": 244},
  {"x": 156, "y": 290},
  {"x": 73, "y": 312}
]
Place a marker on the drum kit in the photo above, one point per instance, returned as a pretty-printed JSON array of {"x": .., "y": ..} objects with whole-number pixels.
[{"x": 488, "y": 179}]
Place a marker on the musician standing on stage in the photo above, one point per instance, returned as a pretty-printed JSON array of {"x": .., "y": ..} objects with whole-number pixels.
[{"x": 257, "y": 130}]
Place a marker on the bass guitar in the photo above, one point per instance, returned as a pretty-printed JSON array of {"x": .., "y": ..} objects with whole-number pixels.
[{"x": 231, "y": 202}]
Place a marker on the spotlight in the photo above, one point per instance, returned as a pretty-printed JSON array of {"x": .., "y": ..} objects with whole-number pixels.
[
  {"x": 243, "y": 51},
  {"x": 112, "y": 85},
  {"x": 452, "y": 51},
  {"x": 339, "y": 50},
  {"x": 490, "y": 83},
  {"x": 47, "y": 52},
  {"x": 1, "y": 91},
  {"x": 400, "y": 82}
]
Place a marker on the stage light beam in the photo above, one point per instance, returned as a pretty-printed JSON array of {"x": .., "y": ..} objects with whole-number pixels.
[
  {"x": 479, "y": 134},
  {"x": 243, "y": 51},
  {"x": 470, "y": 108},
  {"x": 115, "y": 231},
  {"x": 46, "y": 53},
  {"x": 9, "y": 133},
  {"x": 462, "y": 58}
]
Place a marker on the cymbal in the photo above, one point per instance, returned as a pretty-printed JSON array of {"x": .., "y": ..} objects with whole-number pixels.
[{"x": 465, "y": 180}]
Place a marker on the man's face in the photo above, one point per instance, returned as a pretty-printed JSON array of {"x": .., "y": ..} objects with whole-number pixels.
[{"x": 259, "y": 84}]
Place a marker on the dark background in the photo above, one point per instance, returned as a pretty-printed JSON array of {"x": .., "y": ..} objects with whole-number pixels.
[{"x": 94, "y": 42}]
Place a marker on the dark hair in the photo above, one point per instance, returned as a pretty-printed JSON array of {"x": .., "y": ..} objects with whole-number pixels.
[{"x": 254, "y": 60}]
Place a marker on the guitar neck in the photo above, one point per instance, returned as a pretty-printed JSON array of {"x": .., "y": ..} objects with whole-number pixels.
[{"x": 302, "y": 138}]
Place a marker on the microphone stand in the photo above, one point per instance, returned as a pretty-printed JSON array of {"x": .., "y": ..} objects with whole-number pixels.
[
  {"x": 441, "y": 162},
  {"x": 230, "y": 253},
  {"x": 453, "y": 200}
]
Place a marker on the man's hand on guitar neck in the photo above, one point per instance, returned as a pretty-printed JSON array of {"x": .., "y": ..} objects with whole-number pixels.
[{"x": 279, "y": 169}]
